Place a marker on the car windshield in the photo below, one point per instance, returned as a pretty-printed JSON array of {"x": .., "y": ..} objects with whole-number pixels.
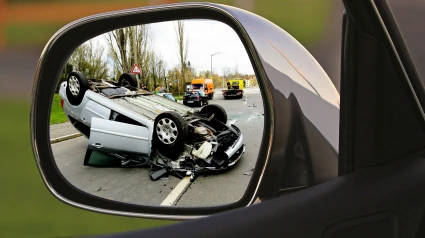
[{"x": 201, "y": 93}]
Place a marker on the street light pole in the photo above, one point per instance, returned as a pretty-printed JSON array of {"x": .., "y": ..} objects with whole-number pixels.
[{"x": 211, "y": 64}]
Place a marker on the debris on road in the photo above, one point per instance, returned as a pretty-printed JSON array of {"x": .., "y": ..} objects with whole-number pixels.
[{"x": 249, "y": 172}]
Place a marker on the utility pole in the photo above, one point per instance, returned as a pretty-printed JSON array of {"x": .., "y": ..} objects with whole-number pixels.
[{"x": 211, "y": 66}]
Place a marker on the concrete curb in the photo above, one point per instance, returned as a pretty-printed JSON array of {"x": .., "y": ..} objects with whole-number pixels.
[{"x": 64, "y": 138}]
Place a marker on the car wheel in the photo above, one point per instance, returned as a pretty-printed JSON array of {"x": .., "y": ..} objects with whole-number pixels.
[
  {"x": 170, "y": 133},
  {"x": 128, "y": 79},
  {"x": 77, "y": 85},
  {"x": 215, "y": 110}
]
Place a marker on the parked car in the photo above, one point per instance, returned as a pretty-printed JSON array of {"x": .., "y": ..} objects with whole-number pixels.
[
  {"x": 168, "y": 96},
  {"x": 195, "y": 97},
  {"x": 126, "y": 121}
]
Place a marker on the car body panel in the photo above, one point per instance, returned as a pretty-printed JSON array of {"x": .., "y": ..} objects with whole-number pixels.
[
  {"x": 293, "y": 70},
  {"x": 93, "y": 109},
  {"x": 98, "y": 112},
  {"x": 112, "y": 136},
  {"x": 152, "y": 105}
]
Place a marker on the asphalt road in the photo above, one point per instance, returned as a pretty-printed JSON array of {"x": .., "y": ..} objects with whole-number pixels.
[{"x": 134, "y": 185}]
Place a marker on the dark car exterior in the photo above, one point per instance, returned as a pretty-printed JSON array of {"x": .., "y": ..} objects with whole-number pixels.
[{"x": 195, "y": 97}]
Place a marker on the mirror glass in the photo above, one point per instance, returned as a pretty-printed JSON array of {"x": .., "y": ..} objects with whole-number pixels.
[{"x": 164, "y": 114}]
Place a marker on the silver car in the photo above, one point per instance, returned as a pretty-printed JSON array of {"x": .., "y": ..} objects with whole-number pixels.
[{"x": 126, "y": 121}]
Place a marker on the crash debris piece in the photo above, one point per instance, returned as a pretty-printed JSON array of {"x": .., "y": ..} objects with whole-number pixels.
[
  {"x": 204, "y": 151},
  {"x": 249, "y": 172},
  {"x": 158, "y": 174}
]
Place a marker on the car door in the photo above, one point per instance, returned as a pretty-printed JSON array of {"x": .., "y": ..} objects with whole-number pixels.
[
  {"x": 380, "y": 189},
  {"x": 118, "y": 137}
]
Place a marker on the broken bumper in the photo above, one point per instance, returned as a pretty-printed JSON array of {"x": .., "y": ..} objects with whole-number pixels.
[{"x": 235, "y": 147}]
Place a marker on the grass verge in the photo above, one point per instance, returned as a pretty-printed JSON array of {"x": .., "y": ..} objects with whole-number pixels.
[
  {"x": 57, "y": 115},
  {"x": 28, "y": 34}
]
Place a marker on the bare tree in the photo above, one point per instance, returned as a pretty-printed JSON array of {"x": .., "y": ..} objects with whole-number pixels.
[
  {"x": 157, "y": 65},
  {"x": 89, "y": 60},
  {"x": 225, "y": 72},
  {"x": 235, "y": 73},
  {"x": 173, "y": 76},
  {"x": 183, "y": 45},
  {"x": 68, "y": 68},
  {"x": 121, "y": 48}
]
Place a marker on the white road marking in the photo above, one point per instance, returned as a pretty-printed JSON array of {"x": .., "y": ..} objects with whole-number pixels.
[
  {"x": 177, "y": 192},
  {"x": 251, "y": 117}
]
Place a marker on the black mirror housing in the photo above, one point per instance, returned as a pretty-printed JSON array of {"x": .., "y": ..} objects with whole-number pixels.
[{"x": 293, "y": 131}]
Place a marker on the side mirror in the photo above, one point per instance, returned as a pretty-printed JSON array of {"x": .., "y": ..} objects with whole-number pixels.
[{"x": 181, "y": 162}]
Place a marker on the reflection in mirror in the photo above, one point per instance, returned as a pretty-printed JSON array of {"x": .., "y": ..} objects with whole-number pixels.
[{"x": 165, "y": 114}]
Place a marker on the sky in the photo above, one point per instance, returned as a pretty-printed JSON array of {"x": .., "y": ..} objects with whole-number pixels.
[{"x": 205, "y": 37}]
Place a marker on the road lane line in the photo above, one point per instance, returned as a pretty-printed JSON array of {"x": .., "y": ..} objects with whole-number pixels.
[
  {"x": 67, "y": 137},
  {"x": 177, "y": 192}
]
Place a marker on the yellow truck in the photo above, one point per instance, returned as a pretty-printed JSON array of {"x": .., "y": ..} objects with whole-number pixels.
[{"x": 234, "y": 89}]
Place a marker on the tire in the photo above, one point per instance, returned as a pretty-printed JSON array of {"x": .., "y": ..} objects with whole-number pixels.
[
  {"x": 169, "y": 134},
  {"x": 77, "y": 85},
  {"x": 218, "y": 111},
  {"x": 128, "y": 79}
]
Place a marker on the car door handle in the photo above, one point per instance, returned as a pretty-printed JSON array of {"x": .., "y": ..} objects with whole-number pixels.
[{"x": 97, "y": 145}]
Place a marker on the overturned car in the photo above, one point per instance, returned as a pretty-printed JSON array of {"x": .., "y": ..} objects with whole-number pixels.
[{"x": 137, "y": 126}]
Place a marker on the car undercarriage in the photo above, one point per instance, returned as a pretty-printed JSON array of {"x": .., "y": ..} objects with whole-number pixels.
[{"x": 183, "y": 140}]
